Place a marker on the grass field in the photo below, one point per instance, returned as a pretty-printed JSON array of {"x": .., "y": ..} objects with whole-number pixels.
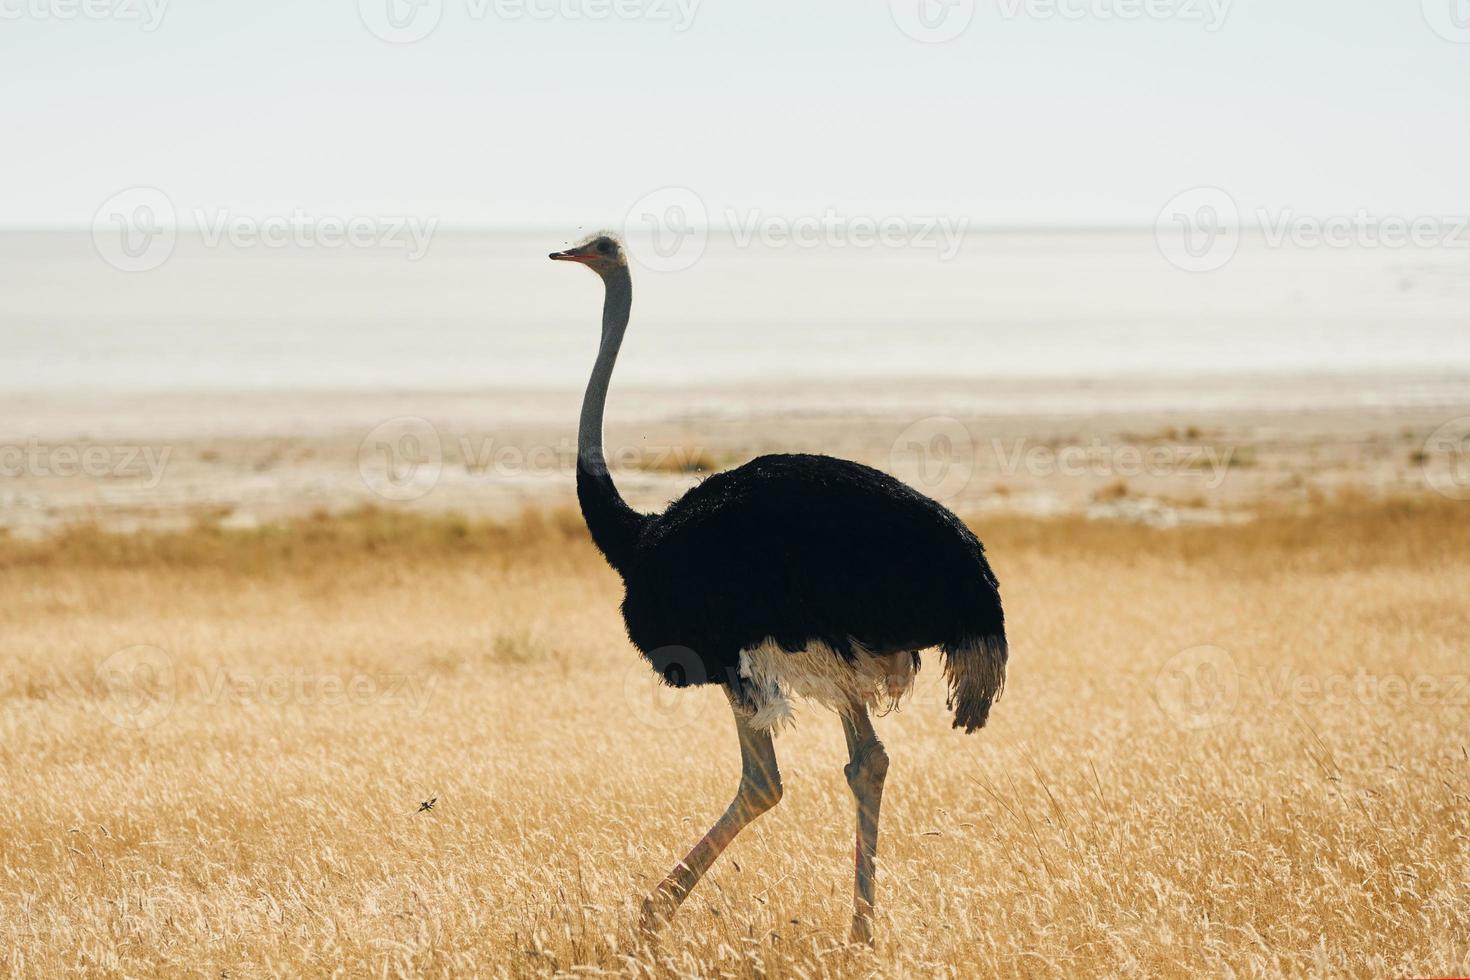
[{"x": 1232, "y": 749}]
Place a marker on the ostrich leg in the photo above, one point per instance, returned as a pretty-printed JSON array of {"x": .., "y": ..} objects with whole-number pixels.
[
  {"x": 866, "y": 768},
  {"x": 760, "y": 789}
]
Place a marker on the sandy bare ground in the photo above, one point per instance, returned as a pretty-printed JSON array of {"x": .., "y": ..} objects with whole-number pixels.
[{"x": 1174, "y": 452}]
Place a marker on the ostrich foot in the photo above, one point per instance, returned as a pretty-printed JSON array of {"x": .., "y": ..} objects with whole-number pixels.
[
  {"x": 862, "y": 931},
  {"x": 658, "y": 910}
]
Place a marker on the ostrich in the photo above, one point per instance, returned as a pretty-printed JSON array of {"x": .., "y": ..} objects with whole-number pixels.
[{"x": 790, "y": 575}]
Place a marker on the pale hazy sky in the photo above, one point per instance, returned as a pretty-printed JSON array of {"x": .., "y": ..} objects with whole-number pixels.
[{"x": 500, "y": 118}]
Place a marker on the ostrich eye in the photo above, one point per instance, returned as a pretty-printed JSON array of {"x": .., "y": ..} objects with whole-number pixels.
[{"x": 604, "y": 246}]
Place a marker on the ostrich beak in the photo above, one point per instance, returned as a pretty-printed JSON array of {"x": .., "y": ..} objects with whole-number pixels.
[{"x": 571, "y": 255}]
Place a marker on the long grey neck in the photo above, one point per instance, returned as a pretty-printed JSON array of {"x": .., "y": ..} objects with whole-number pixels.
[
  {"x": 615, "y": 527},
  {"x": 615, "y": 310}
]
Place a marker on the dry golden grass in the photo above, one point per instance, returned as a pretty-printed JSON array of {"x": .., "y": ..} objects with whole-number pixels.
[{"x": 1173, "y": 784}]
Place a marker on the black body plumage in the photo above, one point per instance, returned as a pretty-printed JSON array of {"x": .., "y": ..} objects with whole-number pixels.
[{"x": 797, "y": 549}]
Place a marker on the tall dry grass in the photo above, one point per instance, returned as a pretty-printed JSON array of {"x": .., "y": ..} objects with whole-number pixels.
[{"x": 214, "y": 745}]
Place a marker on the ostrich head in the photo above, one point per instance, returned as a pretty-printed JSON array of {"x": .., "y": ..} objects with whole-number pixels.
[{"x": 602, "y": 253}]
